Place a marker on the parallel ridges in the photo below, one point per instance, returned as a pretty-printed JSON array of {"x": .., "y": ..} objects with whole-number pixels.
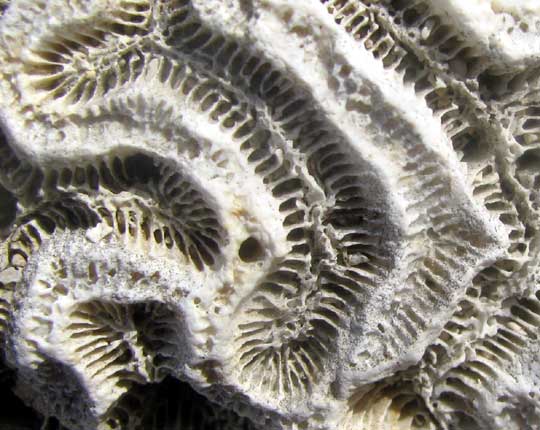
[
  {"x": 466, "y": 138},
  {"x": 49, "y": 66},
  {"x": 39, "y": 224},
  {"x": 439, "y": 97},
  {"x": 487, "y": 188},
  {"x": 358, "y": 223},
  {"x": 429, "y": 283},
  {"x": 525, "y": 128},
  {"x": 292, "y": 110},
  {"x": 473, "y": 381},
  {"x": 427, "y": 30},
  {"x": 102, "y": 341},
  {"x": 197, "y": 231},
  {"x": 494, "y": 355},
  {"x": 110, "y": 343},
  {"x": 297, "y": 320},
  {"x": 429, "y": 34},
  {"x": 116, "y": 342},
  {"x": 430, "y": 215},
  {"x": 527, "y": 124},
  {"x": 441, "y": 354},
  {"x": 159, "y": 334},
  {"x": 488, "y": 284},
  {"x": 261, "y": 78},
  {"x": 136, "y": 171},
  {"x": 276, "y": 172},
  {"x": 139, "y": 225},
  {"x": 388, "y": 407},
  {"x": 33, "y": 228},
  {"x": 145, "y": 228},
  {"x": 71, "y": 214},
  {"x": 430, "y": 277},
  {"x": 289, "y": 360}
]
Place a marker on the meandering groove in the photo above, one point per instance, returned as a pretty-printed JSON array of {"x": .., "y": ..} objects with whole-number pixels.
[{"x": 299, "y": 245}]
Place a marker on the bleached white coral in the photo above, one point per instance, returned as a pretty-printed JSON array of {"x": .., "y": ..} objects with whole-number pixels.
[{"x": 313, "y": 214}]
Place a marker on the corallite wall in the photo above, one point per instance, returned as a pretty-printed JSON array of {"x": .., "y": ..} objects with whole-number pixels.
[{"x": 270, "y": 214}]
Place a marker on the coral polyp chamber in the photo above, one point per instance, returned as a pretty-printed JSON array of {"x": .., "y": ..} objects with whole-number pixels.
[{"x": 270, "y": 214}]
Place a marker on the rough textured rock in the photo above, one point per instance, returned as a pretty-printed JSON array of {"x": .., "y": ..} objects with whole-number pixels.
[{"x": 313, "y": 214}]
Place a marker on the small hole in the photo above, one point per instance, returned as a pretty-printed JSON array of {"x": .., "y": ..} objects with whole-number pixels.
[
  {"x": 419, "y": 421},
  {"x": 141, "y": 168},
  {"x": 529, "y": 160},
  {"x": 250, "y": 250}
]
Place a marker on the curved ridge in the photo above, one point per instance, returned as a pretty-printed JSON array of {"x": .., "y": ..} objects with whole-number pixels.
[{"x": 285, "y": 248}]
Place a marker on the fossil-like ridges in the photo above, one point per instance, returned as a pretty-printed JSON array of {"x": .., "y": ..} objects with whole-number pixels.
[{"x": 319, "y": 214}]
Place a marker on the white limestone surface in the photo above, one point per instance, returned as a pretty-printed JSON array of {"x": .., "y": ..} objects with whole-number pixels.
[{"x": 270, "y": 214}]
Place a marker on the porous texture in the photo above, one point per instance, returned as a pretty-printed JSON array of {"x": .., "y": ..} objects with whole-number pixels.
[{"x": 270, "y": 214}]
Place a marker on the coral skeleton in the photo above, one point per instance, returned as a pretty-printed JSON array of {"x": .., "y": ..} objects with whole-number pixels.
[{"x": 270, "y": 214}]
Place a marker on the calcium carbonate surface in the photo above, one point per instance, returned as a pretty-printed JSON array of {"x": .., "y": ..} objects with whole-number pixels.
[{"x": 270, "y": 214}]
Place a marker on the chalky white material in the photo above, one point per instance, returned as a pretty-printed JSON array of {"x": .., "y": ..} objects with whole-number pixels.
[{"x": 316, "y": 214}]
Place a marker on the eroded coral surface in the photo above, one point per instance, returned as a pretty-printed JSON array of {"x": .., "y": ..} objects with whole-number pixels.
[{"x": 270, "y": 214}]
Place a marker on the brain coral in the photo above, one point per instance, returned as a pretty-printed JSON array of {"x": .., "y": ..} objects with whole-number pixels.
[{"x": 270, "y": 214}]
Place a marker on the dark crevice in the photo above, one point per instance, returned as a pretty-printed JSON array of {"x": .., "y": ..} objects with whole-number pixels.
[
  {"x": 23, "y": 179},
  {"x": 14, "y": 414},
  {"x": 172, "y": 405},
  {"x": 8, "y": 208}
]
